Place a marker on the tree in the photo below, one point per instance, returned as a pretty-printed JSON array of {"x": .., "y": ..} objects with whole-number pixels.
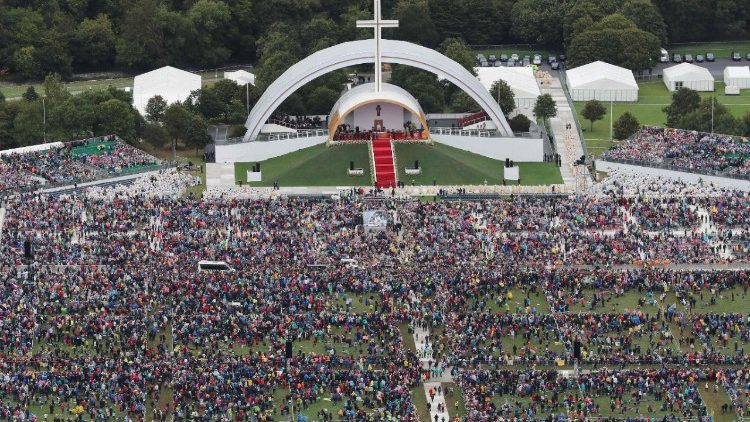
[
  {"x": 207, "y": 103},
  {"x": 155, "y": 108},
  {"x": 461, "y": 102},
  {"x": 155, "y": 134},
  {"x": 593, "y": 111},
  {"x": 115, "y": 116},
  {"x": 711, "y": 115},
  {"x": 197, "y": 135},
  {"x": 457, "y": 50},
  {"x": 93, "y": 42},
  {"x": 545, "y": 107},
  {"x": 504, "y": 96},
  {"x": 745, "y": 125},
  {"x": 538, "y": 22},
  {"x": 684, "y": 101},
  {"x": 30, "y": 94},
  {"x": 26, "y": 64},
  {"x": 646, "y": 16},
  {"x": 520, "y": 123},
  {"x": 54, "y": 90},
  {"x": 321, "y": 100},
  {"x": 141, "y": 41},
  {"x": 415, "y": 23},
  {"x": 616, "y": 40},
  {"x": 210, "y": 18},
  {"x": 625, "y": 126}
]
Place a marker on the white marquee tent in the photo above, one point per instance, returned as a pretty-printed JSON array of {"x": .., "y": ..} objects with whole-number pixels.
[
  {"x": 738, "y": 76},
  {"x": 520, "y": 79},
  {"x": 242, "y": 77},
  {"x": 602, "y": 81},
  {"x": 171, "y": 83},
  {"x": 688, "y": 75}
]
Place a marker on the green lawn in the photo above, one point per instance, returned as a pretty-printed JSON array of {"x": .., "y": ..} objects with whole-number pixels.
[
  {"x": 451, "y": 166},
  {"x": 501, "y": 302},
  {"x": 614, "y": 304},
  {"x": 714, "y": 401},
  {"x": 652, "y": 98},
  {"x": 420, "y": 403},
  {"x": 318, "y": 165}
]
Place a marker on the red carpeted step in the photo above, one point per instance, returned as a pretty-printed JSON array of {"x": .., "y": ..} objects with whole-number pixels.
[{"x": 385, "y": 173}]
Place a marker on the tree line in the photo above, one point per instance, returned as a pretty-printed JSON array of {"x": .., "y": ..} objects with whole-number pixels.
[
  {"x": 40, "y": 37},
  {"x": 57, "y": 115}
]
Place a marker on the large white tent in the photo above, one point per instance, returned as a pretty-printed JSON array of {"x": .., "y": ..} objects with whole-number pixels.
[
  {"x": 688, "y": 75},
  {"x": 241, "y": 77},
  {"x": 602, "y": 81},
  {"x": 520, "y": 79},
  {"x": 171, "y": 83},
  {"x": 738, "y": 76}
]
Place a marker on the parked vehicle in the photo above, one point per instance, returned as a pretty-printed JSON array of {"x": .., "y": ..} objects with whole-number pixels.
[
  {"x": 511, "y": 62},
  {"x": 563, "y": 57},
  {"x": 555, "y": 65},
  {"x": 710, "y": 57},
  {"x": 526, "y": 61},
  {"x": 498, "y": 63},
  {"x": 503, "y": 58},
  {"x": 664, "y": 57},
  {"x": 688, "y": 58},
  {"x": 551, "y": 59},
  {"x": 537, "y": 59},
  {"x": 514, "y": 56},
  {"x": 677, "y": 58},
  {"x": 699, "y": 58},
  {"x": 492, "y": 58},
  {"x": 748, "y": 56},
  {"x": 736, "y": 56}
]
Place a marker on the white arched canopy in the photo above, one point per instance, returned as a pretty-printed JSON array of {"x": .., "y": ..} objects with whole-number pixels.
[{"x": 358, "y": 52}]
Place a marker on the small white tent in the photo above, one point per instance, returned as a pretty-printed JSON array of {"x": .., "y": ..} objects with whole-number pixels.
[
  {"x": 171, "y": 83},
  {"x": 520, "y": 79},
  {"x": 241, "y": 77},
  {"x": 738, "y": 76},
  {"x": 602, "y": 81},
  {"x": 688, "y": 75}
]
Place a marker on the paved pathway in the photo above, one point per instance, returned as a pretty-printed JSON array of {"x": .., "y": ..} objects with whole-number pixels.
[
  {"x": 424, "y": 351},
  {"x": 567, "y": 142}
]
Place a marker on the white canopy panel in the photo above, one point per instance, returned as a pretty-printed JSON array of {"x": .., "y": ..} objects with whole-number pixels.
[
  {"x": 171, "y": 83},
  {"x": 602, "y": 81},
  {"x": 688, "y": 75},
  {"x": 241, "y": 77},
  {"x": 520, "y": 79},
  {"x": 738, "y": 76}
]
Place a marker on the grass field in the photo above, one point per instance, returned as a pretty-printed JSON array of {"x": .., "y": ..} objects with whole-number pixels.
[
  {"x": 652, "y": 98},
  {"x": 315, "y": 166},
  {"x": 450, "y": 166}
]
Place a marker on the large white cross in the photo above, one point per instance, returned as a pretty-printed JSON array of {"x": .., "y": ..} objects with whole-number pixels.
[{"x": 378, "y": 24}]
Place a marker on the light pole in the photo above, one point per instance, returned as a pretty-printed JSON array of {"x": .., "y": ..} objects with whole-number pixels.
[
  {"x": 44, "y": 120},
  {"x": 247, "y": 96},
  {"x": 611, "y": 111}
]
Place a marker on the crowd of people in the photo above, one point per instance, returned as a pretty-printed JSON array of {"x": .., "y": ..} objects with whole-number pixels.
[
  {"x": 72, "y": 163},
  {"x": 684, "y": 149},
  {"x": 114, "y": 318}
]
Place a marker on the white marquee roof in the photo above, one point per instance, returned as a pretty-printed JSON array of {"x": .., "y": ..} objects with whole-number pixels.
[
  {"x": 737, "y": 72},
  {"x": 600, "y": 75},
  {"x": 688, "y": 72},
  {"x": 521, "y": 79},
  {"x": 242, "y": 77},
  {"x": 171, "y": 83}
]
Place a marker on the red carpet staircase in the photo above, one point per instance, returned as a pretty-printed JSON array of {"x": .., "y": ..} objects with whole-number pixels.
[{"x": 385, "y": 172}]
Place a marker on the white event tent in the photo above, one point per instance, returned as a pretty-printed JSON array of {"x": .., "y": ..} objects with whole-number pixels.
[
  {"x": 241, "y": 77},
  {"x": 520, "y": 79},
  {"x": 602, "y": 81},
  {"x": 171, "y": 83},
  {"x": 738, "y": 76},
  {"x": 688, "y": 75}
]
